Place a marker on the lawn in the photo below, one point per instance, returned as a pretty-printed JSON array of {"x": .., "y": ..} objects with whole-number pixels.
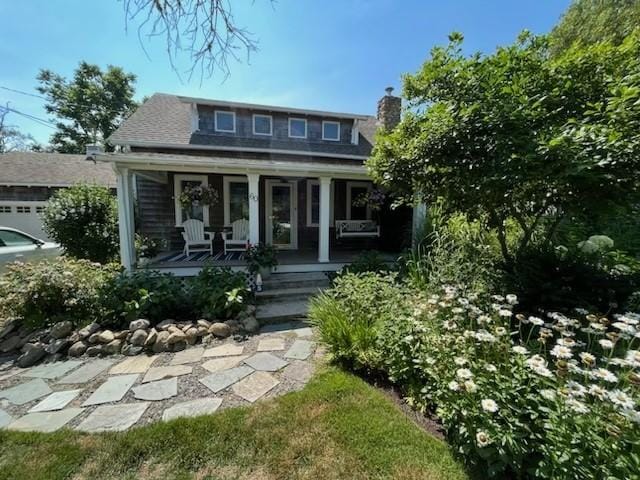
[{"x": 338, "y": 427}]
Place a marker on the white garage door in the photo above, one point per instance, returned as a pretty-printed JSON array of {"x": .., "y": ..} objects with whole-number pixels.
[{"x": 23, "y": 216}]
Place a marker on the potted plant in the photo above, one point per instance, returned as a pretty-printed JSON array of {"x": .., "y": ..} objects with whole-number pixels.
[
  {"x": 261, "y": 258},
  {"x": 198, "y": 195}
]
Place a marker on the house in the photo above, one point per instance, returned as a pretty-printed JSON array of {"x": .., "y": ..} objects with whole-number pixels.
[
  {"x": 297, "y": 176},
  {"x": 28, "y": 179}
]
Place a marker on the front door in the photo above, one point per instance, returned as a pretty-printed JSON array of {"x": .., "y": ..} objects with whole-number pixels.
[{"x": 281, "y": 217}]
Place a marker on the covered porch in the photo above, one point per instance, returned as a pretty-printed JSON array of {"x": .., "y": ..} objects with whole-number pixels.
[{"x": 307, "y": 210}]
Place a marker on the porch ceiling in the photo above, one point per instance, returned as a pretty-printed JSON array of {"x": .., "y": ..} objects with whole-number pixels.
[{"x": 194, "y": 163}]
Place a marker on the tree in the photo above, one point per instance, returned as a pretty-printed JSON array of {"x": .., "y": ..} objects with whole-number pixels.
[
  {"x": 205, "y": 30},
  {"x": 11, "y": 138},
  {"x": 89, "y": 107},
  {"x": 518, "y": 135},
  {"x": 589, "y": 21}
]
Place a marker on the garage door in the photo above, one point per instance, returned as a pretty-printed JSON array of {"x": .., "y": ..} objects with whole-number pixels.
[{"x": 23, "y": 216}]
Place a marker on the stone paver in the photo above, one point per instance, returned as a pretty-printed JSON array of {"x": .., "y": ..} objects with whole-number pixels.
[
  {"x": 52, "y": 370},
  {"x": 159, "y": 373},
  {"x": 5, "y": 376},
  {"x": 300, "y": 350},
  {"x": 254, "y": 386},
  {"x": 192, "y": 408},
  {"x": 223, "y": 363},
  {"x": 55, "y": 401},
  {"x": 265, "y": 361},
  {"x": 138, "y": 364},
  {"x": 298, "y": 371},
  {"x": 45, "y": 421},
  {"x": 112, "y": 390},
  {"x": 225, "y": 350},
  {"x": 304, "y": 332},
  {"x": 26, "y": 392},
  {"x": 113, "y": 418},
  {"x": 270, "y": 344},
  {"x": 155, "y": 391},
  {"x": 5, "y": 419},
  {"x": 85, "y": 373},
  {"x": 190, "y": 355},
  {"x": 221, "y": 380}
]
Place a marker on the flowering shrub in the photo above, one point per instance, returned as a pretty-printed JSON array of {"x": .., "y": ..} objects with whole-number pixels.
[
  {"x": 218, "y": 292},
  {"x": 196, "y": 195},
  {"x": 83, "y": 220},
  {"x": 147, "y": 247},
  {"x": 553, "y": 397},
  {"x": 45, "y": 292}
]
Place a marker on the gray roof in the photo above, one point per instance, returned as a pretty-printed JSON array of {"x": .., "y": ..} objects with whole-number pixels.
[
  {"x": 53, "y": 169},
  {"x": 166, "y": 120}
]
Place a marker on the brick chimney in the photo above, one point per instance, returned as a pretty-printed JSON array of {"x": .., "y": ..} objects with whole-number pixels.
[{"x": 389, "y": 108}]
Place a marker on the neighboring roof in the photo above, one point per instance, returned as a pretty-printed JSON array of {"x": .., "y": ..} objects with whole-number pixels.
[
  {"x": 53, "y": 169},
  {"x": 166, "y": 121}
]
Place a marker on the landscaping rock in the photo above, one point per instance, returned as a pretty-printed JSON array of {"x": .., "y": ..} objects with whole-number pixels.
[
  {"x": 192, "y": 335},
  {"x": 220, "y": 329},
  {"x": 165, "y": 324},
  {"x": 112, "y": 347},
  {"x": 89, "y": 330},
  {"x": 93, "y": 338},
  {"x": 8, "y": 328},
  {"x": 32, "y": 353},
  {"x": 77, "y": 349},
  {"x": 162, "y": 342},
  {"x": 121, "y": 335},
  {"x": 61, "y": 329},
  {"x": 74, "y": 337},
  {"x": 12, "y": 343},
  {"x": 138, "y": 337},
  {"x": 151, "y": 338},
  {"x": 131, "y": 350},
  {"x": 179, "y": 346},
  {"x": 106, "y": 336},
  {"x": 250, "y": 324},
  {"x": 58, "y": 346},
  {"x": 202, "y": 331},
  {"x": 139, "y": 324},
  {"x": 203, "y": 323},
  {"x": 94, "y": 350},
  {"x": 176, "y": 336}
]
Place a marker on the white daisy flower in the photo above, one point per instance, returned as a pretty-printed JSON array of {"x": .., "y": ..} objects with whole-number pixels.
[
  {"x": 538, "y": 322},
  {"x": 621, "y": 399},
  {"x": 470, "y": 386},
  {"x": 561, "y": 352},
  {"x": 519, "y": 349},
  {"x": 460, "y": 361},
  {"x": 598, "y": 392},
  {"x": 489, "y": 405},
  {"x": 482, "y": 439},
  {"x": 489, "y": 367},
  {"x": 464, "y": 373},
  {"x": 577, "y": 406},
  {"x": 512, "y": 299},
  {"x": 605, "y": 375},
  {"x": 606, "y": 344},
  {"x": 587, "y": 358},
  {"x": 454, "y": 386},
  {"x": 548, "y": 394}
]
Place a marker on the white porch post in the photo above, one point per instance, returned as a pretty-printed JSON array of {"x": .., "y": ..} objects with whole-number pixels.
[
  {"x": 125, "y": 218},
  {"x": 254, "y": 208},
  {"x": 323, "y": 228}
]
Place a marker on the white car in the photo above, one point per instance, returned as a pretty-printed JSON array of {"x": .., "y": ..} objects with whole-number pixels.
[{"x": 19, "y": 246}]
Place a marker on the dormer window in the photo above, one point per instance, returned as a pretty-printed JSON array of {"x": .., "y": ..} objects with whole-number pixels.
[
  {"x": 297, "y": 128},
  {"x": 262, "y": 125},
  {"x": 225, "y": 121},
  {"x": 331, "y": 131}
]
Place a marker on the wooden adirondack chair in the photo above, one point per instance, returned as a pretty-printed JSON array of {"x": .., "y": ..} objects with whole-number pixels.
[
  {"x": 236, "y": 240},
  {"x": 195, "y": 238}
]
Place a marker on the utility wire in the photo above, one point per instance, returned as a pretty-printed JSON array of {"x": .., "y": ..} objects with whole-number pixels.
[
  {"x": 41, "y": 121},
  {"x": 23, "y": 93}
]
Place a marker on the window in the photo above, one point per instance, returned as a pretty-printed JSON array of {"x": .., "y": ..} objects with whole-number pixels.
[
  {"x": 313, "y": 203},
  {"x": 5, "y": 208},
  {"x": 39, "y": 209},
  {"x": 262, "y": 125},
  {"x": 356, "y": 190},
  {"x": 331, "y": 131},
  {"x": 297, "y": 128},
  {"x": 225, "y": 121},
  {"x": 14, "y": 239},
  {"x": 236, "y": 199},
  {"x": 23, "y": 209},
  {"x": 200, "y": 212}
]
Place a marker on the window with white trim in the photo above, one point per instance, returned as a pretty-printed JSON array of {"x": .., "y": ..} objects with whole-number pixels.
[
  {"x": 236, "y": 199},
  {"x": 356, "y": 190},
  {"x": 262, "y": 124},
  {"x": 331, "y": 131},
  {"x": 5, "y": 208},
  {"x": 225, "y": 121},
  {"x": 198, "y": 212},
  {"x": 313, "y": 203},
  {"x": 297, "y": 128},
  {"x": 23, "y": 209}
]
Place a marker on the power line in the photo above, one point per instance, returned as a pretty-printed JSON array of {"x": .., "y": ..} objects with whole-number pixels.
[
  {"x": 33, "y": 118},
  {"x": 23, "y": 93}
]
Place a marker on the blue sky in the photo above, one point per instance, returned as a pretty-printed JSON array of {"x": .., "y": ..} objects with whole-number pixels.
[{"x": 331, "y": 54}]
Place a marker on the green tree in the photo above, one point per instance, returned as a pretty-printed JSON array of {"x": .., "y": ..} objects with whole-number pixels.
[
  {"x": 518, "y": 135},
  {"x": 89, "y": 107},
  {"x": 589, "y": 21}
]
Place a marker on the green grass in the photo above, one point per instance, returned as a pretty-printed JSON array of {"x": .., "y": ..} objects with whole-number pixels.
[{"x": 338, "y": 427}]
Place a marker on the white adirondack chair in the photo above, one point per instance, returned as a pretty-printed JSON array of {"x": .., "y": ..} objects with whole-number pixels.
[
  {"x": 236, "y": 240},
  {"x": 195, "y": 238}
]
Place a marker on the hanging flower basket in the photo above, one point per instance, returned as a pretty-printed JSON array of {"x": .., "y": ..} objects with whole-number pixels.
[{"x": 198, "y": 195}]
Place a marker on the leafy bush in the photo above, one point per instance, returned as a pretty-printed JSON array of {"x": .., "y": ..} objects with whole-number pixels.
[
  {"x": 349, "y": 315},
  {"x": 218, "y": 292},
  {"x": 43, "y": 293},
  {"x": 260, "y": 256},
  {"x": 144, "y": 294},
  {"x": 368, "y": 261},
  {"x": 83, "y": 220}
]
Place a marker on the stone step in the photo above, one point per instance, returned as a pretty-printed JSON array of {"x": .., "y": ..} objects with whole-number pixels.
[
  {"x": 298, "y": 281},
  {"x": 275, "y": 312},
  {"x": 283, "y": 294}
]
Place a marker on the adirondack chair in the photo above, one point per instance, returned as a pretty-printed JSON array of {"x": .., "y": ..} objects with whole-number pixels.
[
  {"x": 236, "y": 240},
  {"x": 195, "y": 238}
]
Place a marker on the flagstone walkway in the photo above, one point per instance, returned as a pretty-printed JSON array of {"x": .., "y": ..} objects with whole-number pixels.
[{"x": 116, "y": 393}]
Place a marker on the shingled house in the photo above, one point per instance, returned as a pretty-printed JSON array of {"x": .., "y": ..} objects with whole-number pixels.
[{"x": 295, "y": 177}]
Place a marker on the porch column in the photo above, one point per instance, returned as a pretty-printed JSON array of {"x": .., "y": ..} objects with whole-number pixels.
[
  {"x": 254, "y": 208},
  {"x": 125, "y": 218},
  {"x": 323, "y": 228}
]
